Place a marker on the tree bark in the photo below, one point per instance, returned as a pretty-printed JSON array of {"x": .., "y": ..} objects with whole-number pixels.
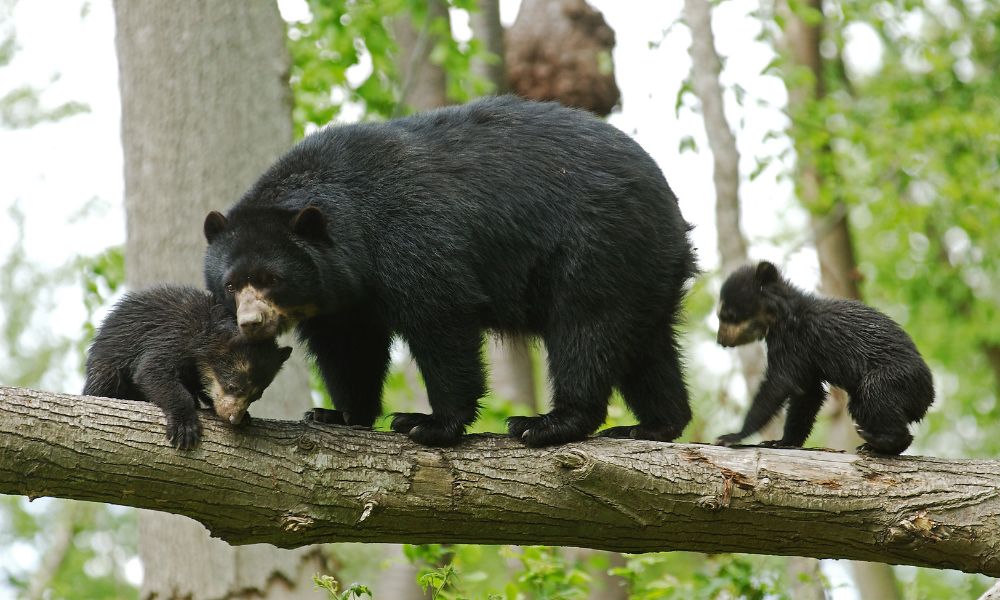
[
  {"x": 292, "y": 483},
  {"x": 424, "y": 85},
  {"x": 205, "y": 109},
  {"x": 485, "y": 24}
]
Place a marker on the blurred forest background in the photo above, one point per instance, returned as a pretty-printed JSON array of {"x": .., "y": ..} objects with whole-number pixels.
[{"x": 854, "y": 143}]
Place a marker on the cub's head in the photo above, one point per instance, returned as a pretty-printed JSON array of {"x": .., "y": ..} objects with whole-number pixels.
[
  {"x": 744, "y": 311},
  {"x": 236, "y": 374},
  {"x": 262, "y": 265}
]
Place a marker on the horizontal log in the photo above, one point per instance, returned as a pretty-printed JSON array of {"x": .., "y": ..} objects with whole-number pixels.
[{"x": 292, "y": 483}]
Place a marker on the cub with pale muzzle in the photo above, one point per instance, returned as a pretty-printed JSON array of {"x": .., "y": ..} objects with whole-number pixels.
[
  {"x": 812, "y": 341},
  {"x": 176, "y": 347}
]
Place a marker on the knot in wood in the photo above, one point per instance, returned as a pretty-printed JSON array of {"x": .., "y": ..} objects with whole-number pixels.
[
  {"x": 296, "y": 523},
  {"x": 572, "y": 459},
  {"x": 304, "y": 444},
  {"x": 918, "y": 527},
  {"x": 371, "y": 502}
]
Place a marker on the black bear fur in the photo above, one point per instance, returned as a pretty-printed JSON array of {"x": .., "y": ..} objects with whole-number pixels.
[
  {"x": 502, "y": 214},
  {"x": 812, "y": 340},
  {"x": 175, "y": 346}
]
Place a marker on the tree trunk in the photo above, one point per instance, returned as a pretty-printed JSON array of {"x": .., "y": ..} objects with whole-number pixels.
[
  {"x": 424, "y": 84},
  {"x": 838, "y": 268},
  {"x": 293, "y": 483},
  {"x": 205, "y": 109},
  {"x": 706, "y": 69},
  {"x": 485, "y": 23}
]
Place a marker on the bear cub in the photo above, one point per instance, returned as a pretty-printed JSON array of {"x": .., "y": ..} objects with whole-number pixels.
[
  {"x": 176, "y": 347},
  {"x": 812, "y": 340},
  {"x": 500, "y": 215}
]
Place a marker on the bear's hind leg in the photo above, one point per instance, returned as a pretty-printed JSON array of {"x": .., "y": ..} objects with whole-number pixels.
[
  {"x": 877, "y": 409},
  {"x": 582, "y": 373},
  {"x": 452, "y": 367},
  {"x": 654, "y": 390}
]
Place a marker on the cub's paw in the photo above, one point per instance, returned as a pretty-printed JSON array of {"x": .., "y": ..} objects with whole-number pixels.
[
  {"x": 545, "y": 430},
  {"x": 640, "y": 432},
  {"x": 184, "y": 433},
  {"x": 776, "y": 444},
  {"x": 428, "y": 430},
  {"x": 867, "y": 449},
  {"x": 324, "y": 416},
  {"x": 730, "y": 439}
]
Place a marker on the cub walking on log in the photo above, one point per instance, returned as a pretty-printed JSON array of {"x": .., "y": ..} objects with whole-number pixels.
[{"x": 813, "y": 340}]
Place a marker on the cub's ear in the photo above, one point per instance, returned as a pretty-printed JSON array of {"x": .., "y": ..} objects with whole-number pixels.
[
  {"x": 285, "y": 352},
  {"x": 215, "y": 224},
  {"x": 310, "y": 223},
  {"x": 766, "y": 273}
]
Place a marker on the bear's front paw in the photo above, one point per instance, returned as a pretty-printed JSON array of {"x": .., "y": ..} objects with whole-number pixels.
[
  {"x": 730, "y": 439},
  {"x": 324, "y": 416},
  {"x": 184, "y": 433},
  {"x": 641, "y": 432},
  {"x": 428, "y": 430},
  {"x": 544, "y": 430}
]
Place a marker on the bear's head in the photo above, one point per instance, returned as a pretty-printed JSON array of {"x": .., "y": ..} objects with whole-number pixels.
[
  {"x": 265, "y": 265},
  {"x": 235, "y": 373}
]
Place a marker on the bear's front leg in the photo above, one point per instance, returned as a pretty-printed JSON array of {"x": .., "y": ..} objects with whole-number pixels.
[
  {"x": 352, "y": 354},
  {"x": 452, "y": 368}
]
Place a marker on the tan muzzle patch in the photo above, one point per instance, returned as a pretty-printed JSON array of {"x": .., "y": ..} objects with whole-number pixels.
[{"x": 735, "y": 334}]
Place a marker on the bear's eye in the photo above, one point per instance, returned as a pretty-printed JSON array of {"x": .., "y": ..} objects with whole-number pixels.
[{"x": 230, "y": 287}]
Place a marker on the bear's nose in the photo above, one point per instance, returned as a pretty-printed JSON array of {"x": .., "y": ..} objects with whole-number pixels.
[{"x": 249, "y": 319}]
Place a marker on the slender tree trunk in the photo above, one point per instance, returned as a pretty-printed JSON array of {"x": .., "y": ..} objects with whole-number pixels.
[
  {"x": 838, "y": 268},
  {"x": 485, "y": 23},
  {"x": 205, "y": 109},
  {"x": 424, "y": 84},
  {"x": 706, "y": 68}
]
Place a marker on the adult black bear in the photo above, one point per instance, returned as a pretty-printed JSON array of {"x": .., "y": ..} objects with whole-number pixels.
[
  {"x": 175, "y": 346},
  {"x": 502, "y": 214},
  {"x": 813, "y": 340}
]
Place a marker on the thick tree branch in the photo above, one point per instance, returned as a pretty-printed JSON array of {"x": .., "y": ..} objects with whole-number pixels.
[{"x": 291, "y": 483}]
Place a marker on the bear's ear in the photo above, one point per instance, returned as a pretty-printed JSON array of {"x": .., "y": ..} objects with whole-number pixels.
[
  {"x": 766, "y": 273},
  {"x": 215, "y": 224},
  {"x": 284, "y": 353},
  {"x": 310, "y": 223}
]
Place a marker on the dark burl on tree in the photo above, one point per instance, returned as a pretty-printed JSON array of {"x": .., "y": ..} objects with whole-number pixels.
[
  {"x": 503, "y": 215},
  {"x": 176, "y": 347},
  {"x": 812, "y": 340}
]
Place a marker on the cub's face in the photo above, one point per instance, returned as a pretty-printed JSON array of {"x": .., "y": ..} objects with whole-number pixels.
[
  {"x": 743, "y": 313},
  {"x": 259, "y": 265},
  {"x": 235, "y": 378}
]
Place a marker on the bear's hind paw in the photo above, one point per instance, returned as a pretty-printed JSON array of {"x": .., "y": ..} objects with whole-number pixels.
[
  {"x": 544, "y": 430},
  {"x": 428, "y": 430},
  {"x": 640, "y": 432}
]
